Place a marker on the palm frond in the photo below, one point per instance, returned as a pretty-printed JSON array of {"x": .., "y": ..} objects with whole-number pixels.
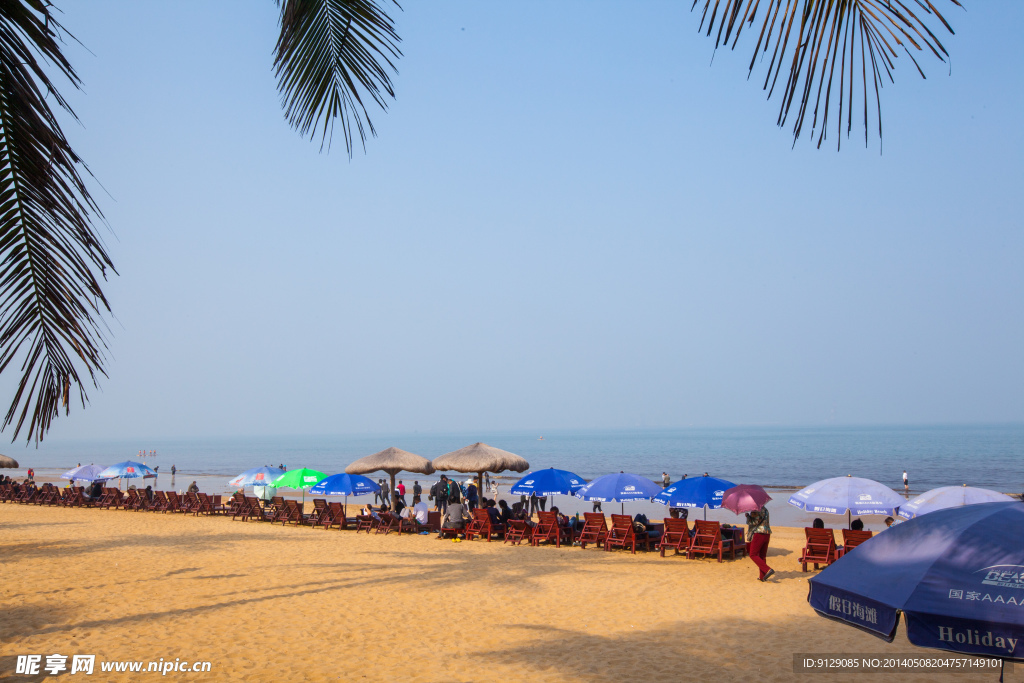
[
  {"x": 854, "y": 39},
  {"x": 49, "y": 296},
  {"x": 329, "y": 56}
]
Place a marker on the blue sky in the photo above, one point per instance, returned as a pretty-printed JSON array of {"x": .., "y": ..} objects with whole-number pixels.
[{"x": 570, "y": 218}]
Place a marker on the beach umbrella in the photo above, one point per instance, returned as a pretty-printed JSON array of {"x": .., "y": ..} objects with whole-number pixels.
[
  {"x": 391, "y": 460},
  {"x": 848, "y": 495},
  {"x": 745, "y": 498},
  {"x": 947, "y": 497},
  {"x": 8, "y": 462},
  {"x": 344, "y": 485},
  {"x": 621, "y": 487},
  {"x": 84, "y": 473},
  {"x": 549, "y": 482},
  {"x": 699, "y": 492},
  {"x": 258, "y": 476},
  {"x": 479, "y": 458},
  {"x": 301, "y": 479},
  {"x": 126, "y": 470},
  {"x": 957, "y": 575}
]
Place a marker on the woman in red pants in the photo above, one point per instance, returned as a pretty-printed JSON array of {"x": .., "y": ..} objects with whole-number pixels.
[{"x": 758, "y": 535}]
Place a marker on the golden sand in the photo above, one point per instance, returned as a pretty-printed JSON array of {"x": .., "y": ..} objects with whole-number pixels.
[{"x": 270, "y": 602}]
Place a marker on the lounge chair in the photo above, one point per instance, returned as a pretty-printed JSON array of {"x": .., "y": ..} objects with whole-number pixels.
[
  {"x": 676, "y": 536},
  {"x": 595, "y": 529},
  {"x": 365, "y": 523},
  {"x": 851, "y": 539},
  {"x": 517, "y": 531},
  {"x": 547, "y": 529},
  {"x": 623, "y": 535},
  {"x": 334, "y": 514},
  {"x": 820, "y": 548},
  {"x": 483, "y": 526},
  {"x": 389, "y": 522},
  {"x": 707, "y": 540},
  {"x": 319, "y": 510},
  {"x": 253, "y": 510}
]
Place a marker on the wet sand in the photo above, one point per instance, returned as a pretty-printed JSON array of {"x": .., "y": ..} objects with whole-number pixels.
[{"x": 269, "y": 602}]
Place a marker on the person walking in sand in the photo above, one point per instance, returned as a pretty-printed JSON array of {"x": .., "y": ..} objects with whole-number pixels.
[
  {"x": 906, "y": 482},
  {"x": 758, "y": 535}
]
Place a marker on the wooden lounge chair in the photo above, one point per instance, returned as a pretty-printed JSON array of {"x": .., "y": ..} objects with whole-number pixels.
[
  {"x": 595, "y": 529},
  {"x": 547, "y": 529},
  {"x": 482, "y": 526},
  {"x": 707, "y": 540},
  {"x": 131, "y": 500},
  {"x": 676, "y": 536},
  {"x": 365, "y": 523},
  {"x": 173, "y": 502},
  {"x": 253, "y": 510},
  {"x": 46, "y": 494},
  {"x": 333, "y": 515},
  {"x": 820, "y": 548},
  {"x": 235, "y": 504},
  {"x": 75, "y": 497},
  {"x": 518, "y": 531},
  {"x": 112, "y": 498},
  {"x": 622, "y": 535},
  {"x": 319, "y": 510},
  {"x": 205, "y": 506},
  {"x": 389, "y": 522},
  {"x": 851, "y": 539}
]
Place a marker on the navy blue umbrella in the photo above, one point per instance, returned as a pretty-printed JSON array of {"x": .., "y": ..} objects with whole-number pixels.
[
  {"x": 699, "y": 492},
  {"x": 621, "y": 487},
  {"x": 549, "y": 482},
  {"x": 957, "y": 575},
  {"x": 345, "y": 485}
]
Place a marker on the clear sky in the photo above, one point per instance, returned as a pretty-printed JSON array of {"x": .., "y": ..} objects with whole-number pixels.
[{"x": 570, "y": 218}]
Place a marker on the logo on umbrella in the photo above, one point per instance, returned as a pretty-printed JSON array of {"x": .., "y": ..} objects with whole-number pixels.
[
  {"x": 1004, "y": 576},
  {"x": 865, "y": 496},
  {"x": 719, "y": 494},
  {"x": 259, "y": 477},
  {"x": 130, "y": 470},
  {"x": 309, "y": 479},
  {"x": 527, "y": 483},
  {"x": 629, "y": 488}
]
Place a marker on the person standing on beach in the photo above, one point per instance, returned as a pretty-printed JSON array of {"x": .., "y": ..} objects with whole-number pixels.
[
  {"x": 665, "y": 480},
  {"x": 401, "y": 491},
  {"x": 385, "y": 492},
  {"x": 173, "y": 470},
  {"x": 417, "y": 490},
  {"x": 906, "y": 482},
  {"x": 758, "y": 535},
  {"x": 442, "y": 495}
]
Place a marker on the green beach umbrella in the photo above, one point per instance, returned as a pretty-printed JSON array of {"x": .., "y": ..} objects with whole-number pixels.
[{"x": 299, "y": 479}]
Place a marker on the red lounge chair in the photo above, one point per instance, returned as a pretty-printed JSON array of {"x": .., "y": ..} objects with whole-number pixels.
[
  {"x": 595, "y": 529},
  {"x": 820, "y": 548},
  {"x": 6, "y": 491},
  {"x": 112, "y": 498},
  {"x": 518, "y": 531},
  {"x": 131, "y": 500},
  {"x": 333, "y": 515},
  {"x": 707, "y": 540},
  {"x": 851, "y": 539},
  {"x": 547, "y": 529},
  {"x": 365, "y": 523},
  {"x": 676, "y": 536},
  {"x": 622, "y": 535},
  {"x": 45, "y": 496},
  {"x": 482, "y": 526}
]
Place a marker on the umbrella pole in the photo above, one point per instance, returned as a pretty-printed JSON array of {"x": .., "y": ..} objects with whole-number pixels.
[
  {"x": 849, "y": 523},
  {"x": 705, "y": 513},
  {"x": 394, "y": 491}
]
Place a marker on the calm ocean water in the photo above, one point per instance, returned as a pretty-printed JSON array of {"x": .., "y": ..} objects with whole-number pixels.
[{"x": 985, "y": 456}]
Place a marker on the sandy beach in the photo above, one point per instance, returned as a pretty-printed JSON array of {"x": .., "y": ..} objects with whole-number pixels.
[{"x": 263, "y": 602}]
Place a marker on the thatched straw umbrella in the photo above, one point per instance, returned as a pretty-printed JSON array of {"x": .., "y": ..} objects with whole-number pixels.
[
  {"x": 8, "y": 462},
  {"x": 480, "y": 458},
  {"x": 391, "y": 460}
]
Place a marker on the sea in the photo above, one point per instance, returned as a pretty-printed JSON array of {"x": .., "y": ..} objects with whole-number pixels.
[{"x": 987, "y": 456}]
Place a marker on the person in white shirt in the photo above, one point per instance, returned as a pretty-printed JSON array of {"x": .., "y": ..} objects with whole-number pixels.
[{"x": 420, "y": 510}]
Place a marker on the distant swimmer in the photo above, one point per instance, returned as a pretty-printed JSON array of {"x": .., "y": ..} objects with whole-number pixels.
[{"x": 540, "y": 438}]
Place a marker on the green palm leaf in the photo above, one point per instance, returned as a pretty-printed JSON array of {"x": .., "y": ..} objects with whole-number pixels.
[
  {"x": 49, "y": 296},
  {"x": 858, "y": 40},
  {"x": 329, "y": 56}
]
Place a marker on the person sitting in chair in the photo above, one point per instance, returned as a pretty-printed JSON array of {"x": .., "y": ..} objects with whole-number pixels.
[{"x": 454, "y": 518}]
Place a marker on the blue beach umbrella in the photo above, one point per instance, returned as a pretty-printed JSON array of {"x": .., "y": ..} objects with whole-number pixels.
[
  {"x": 84, "y": 473},
  {"x": 258, "y": 476},
  {"x": 345, "y": 485},
  {"x": 948, "y": 497},
  {"x": 699, "y": 492},
  {"x": 126, "y": 470},
  {"x": 957, "y": 575},
  {"x": 848, "y": 495},
  {"x": 619, "y": 487},
  {"x": 549, "y": 482}
]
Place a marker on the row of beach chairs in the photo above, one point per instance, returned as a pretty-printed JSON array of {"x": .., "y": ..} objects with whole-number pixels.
[
  {"x": 821, "y": 548},
  {"x": 707, "y": 539}
]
